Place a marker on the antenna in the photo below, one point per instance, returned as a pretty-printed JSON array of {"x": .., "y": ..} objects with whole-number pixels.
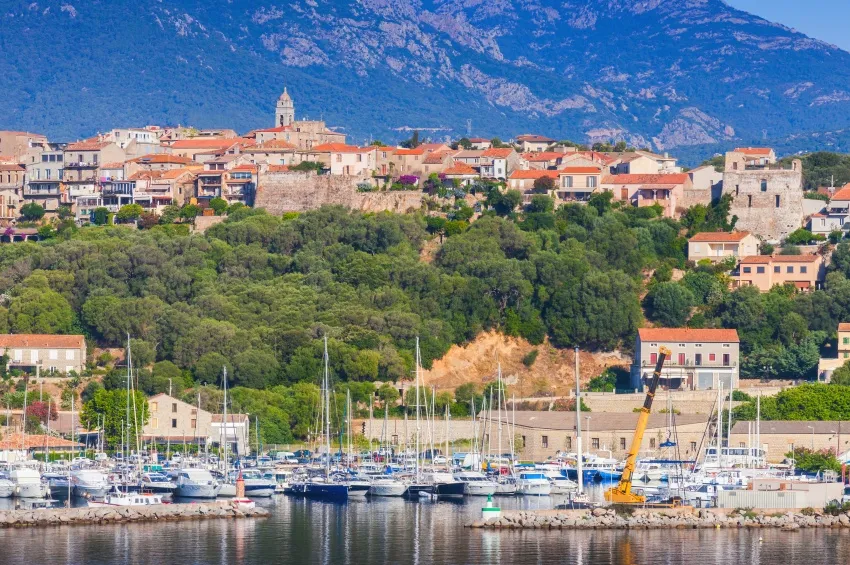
[{"x": 468, "y": 127}]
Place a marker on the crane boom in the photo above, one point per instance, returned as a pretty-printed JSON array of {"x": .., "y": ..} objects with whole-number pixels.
[{"x": 622, "y": 493}]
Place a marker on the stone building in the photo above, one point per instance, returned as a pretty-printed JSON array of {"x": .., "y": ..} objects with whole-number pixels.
[
  {"x": 179, "y": 422},
  {"x": 44, "y": 353},
  {"x": 285, "y": 111},
  {"x": 779, "y": 437},
  {"x": 767, "y": 198}
]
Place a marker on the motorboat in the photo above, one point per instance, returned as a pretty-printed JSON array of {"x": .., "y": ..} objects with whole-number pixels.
[
  {"x": 601, "y": 469},
  {"x": 127, "y": 499},
  {"x": 7, "y": 487},
  {"x": 387, "y": 487},
  {"x": 196, "y": 483},
  {"x": 158, "y": 483},
  {"x": 59, "y": 485},
  {"x": 27, "y": 483},
  {"x": 560, "y": 484},
  {"x": 280, "y": 479},
  {"x": 443, "y": 484},
  {"x": 506, "y": 485},
  {"x": 476, "y": 483},
  {"x": 89, "y": 483},
  {"x": 533, "y": 483},
  {"x": 258, "y": 486}
]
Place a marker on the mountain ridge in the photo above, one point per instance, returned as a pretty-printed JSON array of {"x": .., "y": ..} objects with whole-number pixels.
[{"x": 690, "y": 76}]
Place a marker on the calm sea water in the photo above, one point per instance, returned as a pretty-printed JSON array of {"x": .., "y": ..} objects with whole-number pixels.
[{"x": 397, "y": 531}]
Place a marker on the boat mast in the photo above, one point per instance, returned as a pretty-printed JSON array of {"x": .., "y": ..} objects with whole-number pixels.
[
  {"x": 418, "y": 429},
  {"x": 720, "y": 425},
  {"x": 500, "y": 400},
  {"x": 579, "y": 461},
  {"x": 448, "y": 453},
  {"x": 327, "y": 408},
  {"x": 224, "y": 426}
]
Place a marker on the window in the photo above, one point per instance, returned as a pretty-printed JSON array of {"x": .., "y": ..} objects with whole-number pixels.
[
  {"x": 174, "y": 422},
  {"x": 693, "y": 446},
  {"x": 594, "y": 443},
  {"x": 734, "y": 166},
  {"x": 622, "y": 443},
  {"x": 194, "y": 423},
  {"x": 725, "y": 345},
  {"x": 803, "y": 268},
  {"x": 155, "y": 422},
  {"x": 777, "y": 269},
  {"x": 698, "y": 359},
  {"x": 591, "y": 182},
  {"x": 568, "y": 182},
  {"x": 789, "y": 269},
  {"x": 697, "y": 345},
  {"x": 681, "y": 358},
  {"x": 47, "y": 174},
  {"x": 653, "y": 358},
  {"x": 846, "y": 341},
  {"x": 652, "y": 443},
  {"x": 53, "y": 354},
  {"x": 748, "y": 269},
  {"x": 750, "y": 201},
  {"x": 44, "y": 158},
  {"x": 846, "y": 355},
  {"x": 569, "y": 442},
  {"x": 764, "y": 185},
  {"x": 737, "y": 187},
  {"x": 760, "y": 270},
  {"x": 339, "y": 158},
  {"x": 154, "y": 406},
  {"x": 712, "y": 357},
  {"x": 726, "y": 360},
  {"x": 174, "y": 407},
  {"x": 544, "y": 441},
  {"x": 523, "y": 441},
  {"x": 776, "y": 198}
]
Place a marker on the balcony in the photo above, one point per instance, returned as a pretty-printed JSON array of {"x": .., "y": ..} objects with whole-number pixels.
[
  {"x": 690, "y": 363},
  {"x": 82, "y": 165}
]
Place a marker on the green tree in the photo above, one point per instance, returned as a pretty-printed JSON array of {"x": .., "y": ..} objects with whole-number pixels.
[
  {"x": 541, "y": 204},
  {"x": 190, "y": 211},
  {"x": 388, "y": 394},
  {"x": 543, "y": 185},
  {"x": 32, "y": 211},
  {"x": 670, "y": 304},
  {"x": 110, "y": 408},
  {"x": 210, "y": 368},
  {"x": 255, "y": 368},
  {"x": 219, "y": 205},
  {"x": 64, "y": 213},
  {"x": 40, "y": 311},
  {"x": 841, "y": 375},
  {"x": 100, "y": 216},
  {"x": 129, "y": 212}
]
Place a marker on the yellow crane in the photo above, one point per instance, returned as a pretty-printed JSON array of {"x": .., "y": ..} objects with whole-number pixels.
[{"x": 622, "y": 493}]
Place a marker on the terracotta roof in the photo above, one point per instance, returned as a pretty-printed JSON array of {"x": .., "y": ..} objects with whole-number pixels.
[
  {"x": 274, "y": 130},
  {"x": 753, "y": 150},
  {"x": 542, "y": 156},
  {"x": 581, "y": 170},
  {"x": 35, "y": 441},
  {"x": 87, "y": 145},
  {"x": 842, "y": 194},
  {"x": 113, "y": 165},
  {"x": 534, "y": 137},
  {"x": 434, "y": 146},
  {"x": 215, "y": 143},
  {"x": 278, "y": 168},
  {"x": 469, "y": 154},
  {"x": 158, "y": 158},
  {"x": 674, "y": 178},
  {"x": 275, "y": 144},
  {"x": 151, "y": 175},
  {"x": 591, "y": 155},
  {"x": 175, "y": 173},
  {"x": 436, "y": 158},
  {"x": 460, "y": 169},
  {"x": 720, "y": 236},
  {"x": 244, "y": 168},
  {"x": 844, "y": 327},
  {"x": 767, "y": 259},
  {"x": 534, "y": 174},
  {"x": 42, "y": 340},
  {"x": 13, "y": 167},
  {"x": 688, "y": 335},
  {"x": 497, "y": 152},
  {"x": 416, "y": 151}
]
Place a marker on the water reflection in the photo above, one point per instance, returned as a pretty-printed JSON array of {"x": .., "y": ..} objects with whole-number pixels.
[{"x": 398, "y": 531}]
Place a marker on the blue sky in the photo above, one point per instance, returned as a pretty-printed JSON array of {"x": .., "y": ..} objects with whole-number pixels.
[{"x": 821, "y": 19}]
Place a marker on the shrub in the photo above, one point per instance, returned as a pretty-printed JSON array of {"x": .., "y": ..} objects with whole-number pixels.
[{"x": 529, "y": 358}]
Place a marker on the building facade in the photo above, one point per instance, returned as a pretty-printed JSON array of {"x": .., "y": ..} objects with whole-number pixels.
[
  {"x": 175, "y": 421},
  {"x": 806, "y": 272},
  {"x": 719, "y": 246},
  {"x": 699, "y": 359},
  {"x": 39, "y": 354}
]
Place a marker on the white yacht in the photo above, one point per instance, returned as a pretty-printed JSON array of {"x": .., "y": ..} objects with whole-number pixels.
[
  {"x": 7, "y": 488},
  {"x": 158, "y": 483},
  {"x": 560, "y": 484},
  {"x": 387, "y": 487},
  {"x": 444, "y": 484},
  {"x": 89, "y": 483},
  {"x": 127, "y": 499},
  {"x": 506, "y": 485},
  {"x": 476, "y": 483},
  {"x": 196, "y": 483},
  {"x": 733, "y": 458},
  {"x": 258, "y": 486},
  {"x": 533, "y": 483},
  {"x": 27, "y": 483}
]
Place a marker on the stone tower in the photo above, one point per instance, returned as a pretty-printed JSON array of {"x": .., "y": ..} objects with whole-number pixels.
[{"x": 285, "y": 112}]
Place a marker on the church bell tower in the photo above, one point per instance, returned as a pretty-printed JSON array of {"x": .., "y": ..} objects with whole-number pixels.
[{"x": 285, "y": 112}]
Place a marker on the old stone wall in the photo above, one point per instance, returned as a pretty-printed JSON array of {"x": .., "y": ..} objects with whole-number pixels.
[
  {"x": 302, "y": 191},
  {"x": 767, "y": 202}
]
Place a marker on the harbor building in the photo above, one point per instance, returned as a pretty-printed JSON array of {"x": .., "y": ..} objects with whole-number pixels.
[
  {"x": 172, "y": 420},
  {"x": 699, "y": 359},
  {"x": 781, "y": 437}
]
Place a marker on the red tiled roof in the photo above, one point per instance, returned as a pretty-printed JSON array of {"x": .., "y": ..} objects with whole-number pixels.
[
  {"x": 13, "y": 167},
  {"x": 244, "y": 168},
  {"x": 581, "y": 170},
  {"x": 42, "y": 340},
  {"x": 215, "y": 143},
  {"x": 534, "y": 137},
  {"x": 674, "y": 178},
  {"x": 416, "y": 151},
  {"x": 767, "y": 259},
  {"x": 276, "y": 144},
  {"x": 159, "y": 158},
  {"x": 688, "y": 335},
  {"x": 175, "y": 173},
  {"x": 844, "y": 327},
  {"x": 87, "y": 145},
  {"x": 753, "y": 150},
  {"x": 542, "y": 156},
  {"x": 35, "y": 441},
  {"x": 436, "y": 158},
  {"x": 534, "y": 174},
  {"x": 719, "y": 236},
  {"x": 460, "y": 169},
  {"x": 278, "y": 168},
  {"x": 842, "y": 194},
  {"x": 497, "y": 152}
]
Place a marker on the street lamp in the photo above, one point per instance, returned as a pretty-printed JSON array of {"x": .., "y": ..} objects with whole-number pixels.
[{"x": 813, "y": 436}]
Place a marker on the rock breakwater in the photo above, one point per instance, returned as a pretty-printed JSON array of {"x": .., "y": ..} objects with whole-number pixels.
[
  {"x": 647, "y": 519},
  {"x": 119, "y": 514}
]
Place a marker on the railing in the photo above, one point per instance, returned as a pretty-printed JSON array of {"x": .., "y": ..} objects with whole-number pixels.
[
  {"x": 691, "y": 363},
  {"x": 81, "y": 165}
]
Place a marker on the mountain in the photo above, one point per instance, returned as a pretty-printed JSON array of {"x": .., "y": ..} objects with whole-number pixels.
[{"x": 689, "y": 76}]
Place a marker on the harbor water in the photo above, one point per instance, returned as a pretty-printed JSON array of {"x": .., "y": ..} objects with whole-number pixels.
[{"x": 399, "y": 531}]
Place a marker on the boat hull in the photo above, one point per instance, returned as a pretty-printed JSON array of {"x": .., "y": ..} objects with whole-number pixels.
[
  {"x": 91, "y": 491},
  {"x": 389, "y": 488},
  {"x": 321, "y": 491},
  {"x": 31, "y": 491},
  {"x": 455, "y": 490},
  {"x": 480, "y": 489},
  {"x": 196, "y": 491},
  {"x": 358, "y": 490},
  {"x": 534, "y": 489},
  {"x": 414, "y": 490}
]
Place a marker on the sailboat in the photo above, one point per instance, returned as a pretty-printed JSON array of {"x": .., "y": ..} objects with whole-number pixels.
[
  {"x": 226, "y": 488},
  {"x": 417, "y": 486}
]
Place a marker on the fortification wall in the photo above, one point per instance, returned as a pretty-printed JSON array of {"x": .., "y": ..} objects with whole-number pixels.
[{"x": 302, "y": 191}]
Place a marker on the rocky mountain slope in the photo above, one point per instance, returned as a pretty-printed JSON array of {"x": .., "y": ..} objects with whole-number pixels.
[{"x": 691, "y": 76}]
